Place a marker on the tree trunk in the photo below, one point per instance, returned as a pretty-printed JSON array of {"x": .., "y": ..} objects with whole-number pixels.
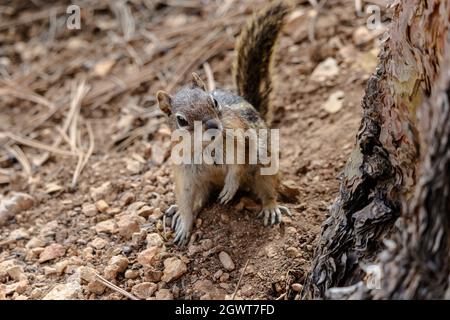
[{"x": 398, "y": 171}]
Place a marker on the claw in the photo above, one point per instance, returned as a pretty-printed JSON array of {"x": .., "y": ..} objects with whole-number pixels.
[
  {"x": 286, "y": 210},
  {"x": 273, "y": 214},
  {"x": 175, "y": 219},
  {"x": 228, "y": 193},
  {"x": 172, "y": 210}
]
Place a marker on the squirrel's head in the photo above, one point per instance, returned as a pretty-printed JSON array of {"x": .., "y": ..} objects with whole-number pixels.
[{"x": 191, "y": 104}]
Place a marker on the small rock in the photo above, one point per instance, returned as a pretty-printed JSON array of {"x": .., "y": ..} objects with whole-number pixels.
[
  {"x": 149, "y": 256},
  {"x": 16, "y": 273},
  {"x": 144, "y": 290},
  {"x": 89, "y": 209},
  {"x": 101, "y": 191},
  {"x": 18, "y": 234},
  {"x": 138, "y": 238},
  {"x": 116, "y": 265},
  {"x": 207, "y": 291},
  {"x": 107, "y": 226},
  {"x": 133, "y": 166},
  {"x": 153, "y": 275},
  {"x": 156, "y": 214},
  {"x": 98, "y": 243},
  {"x": 325, "y": 70},
  {"x": 226, "y": 261},
  {"x": 96, "y": 287},
  {"x": 164, "y": 294},
  {"x": 61, "y": 266},
  {"x": 145, "y": 211},
  {"x": 127, "y": 198},
  {"x": 13, "y": 205},
  {"x": 154, "y": 240},
  {"x": 224, "y": 277},
  {"x": 51, "y": 252},
  {"x": 293, "y": 252},
  {"x": 101, "y": 206},
  {"x": 131, "y": 274},
  {"x": 49, "y": 229},
  {"x": 35, "y": 242},
  {"x": 67, "y": 291},
  {"x": 297, "y": 287},
  {"x": 334, "y": 102},
  {"x": 218, "y": 274},
  {"x": 19, "y": 287},
  {"x": 271, "y": 251},
  {"x": 49, "y": 270},
  {"x": 88, "y": 274},
  {"x": 127, "y": 225},
  {"x": 173, "y": 269}
]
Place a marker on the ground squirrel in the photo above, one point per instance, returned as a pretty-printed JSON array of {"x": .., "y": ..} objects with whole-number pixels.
[{"x": 222, "y": 110}]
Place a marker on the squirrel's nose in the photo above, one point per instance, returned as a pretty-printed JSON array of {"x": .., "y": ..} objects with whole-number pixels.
[{"x": 212, "y": 124}]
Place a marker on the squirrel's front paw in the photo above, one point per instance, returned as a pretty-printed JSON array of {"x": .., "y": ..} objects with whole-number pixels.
[
  {"x": 228, "y": 192},
  {"x": 274, "y": 214},
  {"x": 182, "y": 226}
]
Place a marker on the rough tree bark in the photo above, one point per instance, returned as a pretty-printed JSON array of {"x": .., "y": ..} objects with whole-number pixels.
[{"x": 398, "y": 171}]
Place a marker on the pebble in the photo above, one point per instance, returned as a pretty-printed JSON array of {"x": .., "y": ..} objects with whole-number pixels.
[
  {"x": 293, "y": 252},
  {"x": 98, "y": 243},
  {"x": 67, "y": 291},
  {"x": 61, "y": 266},
  {"x": 101, "y": 191},
  {"x": 164, "y": 294},
  {"x": 35, "y": 242},
  {"x": 107, "y": 226},
  {"x": 149, "y": 256},
  {"x": 153, "y": 275},
  {"x": 207, "y": 291},
  {"x": 51, "y": 252},
  {"x": 297, "y": 287},
  {"x": 127, "y": 198},
  {"x": 325, "y": 70},
  {"x": 174, "y": 268},
  {"x": 144, "y": 290},
  {"x": 127, "y": 225},
  {"x": 135, "y": 206},
  {"x": 224, "y": 277},
  {"x": 16, "y": 273},
  {"x": 18, "y": 234},
  {"x": 102, "y": 206},
  {"x": 154, "y": 240},
  {"x": 89, "y": 209},
  {"x": 226, "y": 261},
  {"x": 145, "y": 211},
  {"x": 131, "y": 274},
  {"x": 116, "y": 265}
]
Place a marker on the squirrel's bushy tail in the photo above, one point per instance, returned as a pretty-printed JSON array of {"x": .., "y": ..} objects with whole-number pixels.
[{"x": 253, "y": 64}]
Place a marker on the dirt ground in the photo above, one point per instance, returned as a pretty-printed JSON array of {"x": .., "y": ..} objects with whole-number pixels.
[{"x": 110, "y": 222}]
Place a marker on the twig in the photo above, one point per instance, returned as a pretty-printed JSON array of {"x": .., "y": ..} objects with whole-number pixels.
[
  {"x": 209, "y": 76},
  {"x": 312, "y": 25},
  {"x": 240, "y": 279},
  {"x": 17, "y": 152},
  {"x": 39, "y": 145},
  {"x": 115, "y": 288}
]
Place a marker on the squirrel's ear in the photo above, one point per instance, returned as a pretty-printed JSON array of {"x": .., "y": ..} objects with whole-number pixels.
[
  {"x": 164, "y": 102},
  {"x": 198, "y": 82}
]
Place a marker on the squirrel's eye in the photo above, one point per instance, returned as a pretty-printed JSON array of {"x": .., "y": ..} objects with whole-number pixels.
[
  {"x": 216, "y": 104},
  {"x": 182, "y": 122}
]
